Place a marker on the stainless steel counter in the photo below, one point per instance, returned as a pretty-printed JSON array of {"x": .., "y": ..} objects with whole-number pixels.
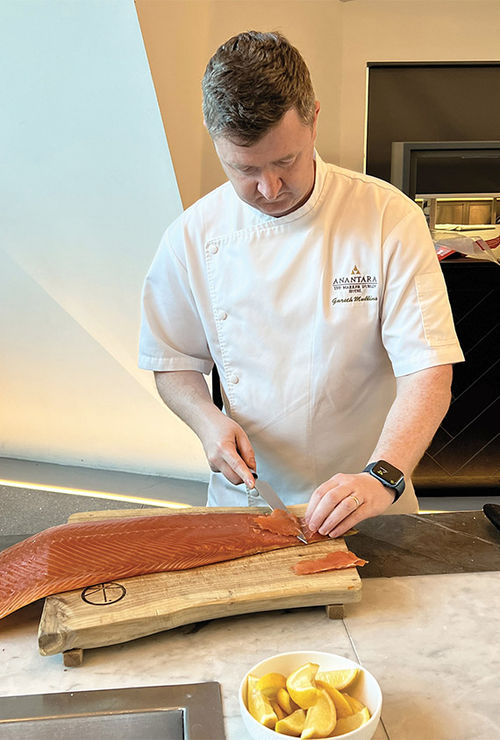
[{"x": 181, "y": 712}]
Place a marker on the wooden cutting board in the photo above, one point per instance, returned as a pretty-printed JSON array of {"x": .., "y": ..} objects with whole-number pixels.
[{"x": 129, "y": 608}]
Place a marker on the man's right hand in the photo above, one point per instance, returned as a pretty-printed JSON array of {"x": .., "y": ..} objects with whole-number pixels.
[
  {"x": 226, "y": 445},
  {"x": 228, "y": 449}
]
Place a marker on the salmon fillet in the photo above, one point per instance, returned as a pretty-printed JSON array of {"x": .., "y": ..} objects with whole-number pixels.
[{"x": 80, "y": 554}]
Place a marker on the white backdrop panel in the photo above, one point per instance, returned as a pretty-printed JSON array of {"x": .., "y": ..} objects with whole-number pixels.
[{"x": 87, "y": 188}]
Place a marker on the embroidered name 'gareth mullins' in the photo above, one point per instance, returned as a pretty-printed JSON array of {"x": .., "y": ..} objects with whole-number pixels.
[{"x": 354, "y": 288}]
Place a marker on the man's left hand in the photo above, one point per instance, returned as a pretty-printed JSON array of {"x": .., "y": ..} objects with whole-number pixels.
[{"x": 344, "y": 500}]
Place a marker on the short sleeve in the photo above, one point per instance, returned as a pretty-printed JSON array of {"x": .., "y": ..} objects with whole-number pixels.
[
  {"x": 172, "y": 335},
  {"x": 417, "y": 322}
]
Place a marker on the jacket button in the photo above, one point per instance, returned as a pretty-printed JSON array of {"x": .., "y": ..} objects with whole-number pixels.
[
  {"x": 213, "y": 248},
  {"x": 234, "y": 379},
  {"x": 222, "y": 315}
]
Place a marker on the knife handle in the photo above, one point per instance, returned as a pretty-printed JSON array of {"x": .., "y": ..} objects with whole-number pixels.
[{"x": 254, "y": 498}]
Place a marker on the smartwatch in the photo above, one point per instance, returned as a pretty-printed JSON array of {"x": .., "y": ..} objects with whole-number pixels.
[{"x": 388, "y": 475}]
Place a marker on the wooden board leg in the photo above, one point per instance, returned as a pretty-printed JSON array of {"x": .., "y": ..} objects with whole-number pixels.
[
  {"x": 335, "y": 611},
  {"x": 73, "y": 658}
]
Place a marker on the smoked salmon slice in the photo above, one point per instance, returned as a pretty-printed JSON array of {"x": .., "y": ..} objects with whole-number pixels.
[
  {"x": 333, "y": 561},
  {"x": 283, "y": 522},
  {"x": 71, "y": 556}
]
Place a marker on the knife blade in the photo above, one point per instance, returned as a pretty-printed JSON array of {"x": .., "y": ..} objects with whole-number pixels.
[
  {"x": 492, "y": 511},
  {"x": 271, "y": 497}
]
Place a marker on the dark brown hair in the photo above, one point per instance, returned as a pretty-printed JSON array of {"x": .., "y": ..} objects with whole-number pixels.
[{"x": 250, "y": 82}]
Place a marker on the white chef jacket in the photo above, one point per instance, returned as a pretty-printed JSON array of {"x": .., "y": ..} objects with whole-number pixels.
[{"x": 308, "y": 317}]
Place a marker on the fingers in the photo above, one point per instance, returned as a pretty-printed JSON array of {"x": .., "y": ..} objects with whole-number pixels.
[
  {"x": 325, "y": 488},
  {"x": 343, "y": 501},
  {"x": 348, "y": 523},
  {"x": 241, "y": 469},
  {"x": 247, "y": 454},
  {"x": 233, "y": 456},
  {"x": 325, "y": 499},
  {"x": 345, "y": 514},
  {"x": 311, "y": 506},
  {"x": 232, "y": 466}
]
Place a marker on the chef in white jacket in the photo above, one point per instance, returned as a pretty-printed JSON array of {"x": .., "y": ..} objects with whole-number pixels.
[{"x": 316, "y": 292}]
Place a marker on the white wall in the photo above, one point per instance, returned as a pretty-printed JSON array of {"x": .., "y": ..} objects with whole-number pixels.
[{"x": 86, "y": 189}]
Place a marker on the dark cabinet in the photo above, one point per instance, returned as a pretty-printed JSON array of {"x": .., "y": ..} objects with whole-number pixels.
[{"x": 465, "y": 451}]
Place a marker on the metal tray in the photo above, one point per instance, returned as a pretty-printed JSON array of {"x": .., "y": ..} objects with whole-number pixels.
[{"x": 182, "y": 712}]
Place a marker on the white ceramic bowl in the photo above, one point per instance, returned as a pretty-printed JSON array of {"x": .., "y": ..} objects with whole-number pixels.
[{"x": 366, "y": 689}]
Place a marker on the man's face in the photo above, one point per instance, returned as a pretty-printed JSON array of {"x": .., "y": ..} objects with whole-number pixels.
[{"x": 276, "y": 174}]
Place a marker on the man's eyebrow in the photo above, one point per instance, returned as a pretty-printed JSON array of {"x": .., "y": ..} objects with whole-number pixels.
[
  {"x": 243, "y": 166},
  {"x": 292, "y": 155}
]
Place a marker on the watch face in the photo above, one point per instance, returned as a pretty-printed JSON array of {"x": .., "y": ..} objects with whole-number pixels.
[{"x": 387, "y": 472}]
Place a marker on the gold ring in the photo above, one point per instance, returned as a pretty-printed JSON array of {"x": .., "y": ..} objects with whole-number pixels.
[{"x": 358, "y": 502}]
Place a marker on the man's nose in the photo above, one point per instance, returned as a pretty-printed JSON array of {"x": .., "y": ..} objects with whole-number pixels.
[{"x": 269, "y": 185}]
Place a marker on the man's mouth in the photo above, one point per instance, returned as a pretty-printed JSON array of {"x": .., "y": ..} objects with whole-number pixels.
[{"x": 279, "y": 199}]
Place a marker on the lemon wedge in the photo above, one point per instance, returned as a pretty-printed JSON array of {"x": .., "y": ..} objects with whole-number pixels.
[
  {"x": 258, "y": 706},
  {"x": 285, "y": 702},
  {"x": 293, "y": 724},
  {"x": 320, "y": 718},
  {"x": 338, "y": 679},
  {"x": 271, "y": 683},
  {"x": 300, "y": 685},
  {"x": 355, "y": 704},
  {"x": 342, "y": 706},
  {"x": 348, "y": 724},
  {"x": 277, "y": 709}
]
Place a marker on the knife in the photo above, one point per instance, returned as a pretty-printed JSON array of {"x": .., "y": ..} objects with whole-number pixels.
[
  {"x": 272, "y": 499},
  {"x": 492, "y": 511}
]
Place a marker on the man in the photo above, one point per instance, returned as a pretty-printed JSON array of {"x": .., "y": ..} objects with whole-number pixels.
[{"x": 317, "y": 293}]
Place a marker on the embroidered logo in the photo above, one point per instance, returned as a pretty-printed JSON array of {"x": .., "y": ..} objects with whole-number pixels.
[{"x": 354, "y": 287}]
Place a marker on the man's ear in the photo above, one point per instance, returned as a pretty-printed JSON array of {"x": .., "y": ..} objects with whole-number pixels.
[{"x": 316, "y": 114}]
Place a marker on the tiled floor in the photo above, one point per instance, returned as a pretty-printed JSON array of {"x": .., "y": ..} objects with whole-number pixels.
[{"x": 36, "y": 495}]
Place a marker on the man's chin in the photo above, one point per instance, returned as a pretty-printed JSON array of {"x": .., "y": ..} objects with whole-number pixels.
[{"x": 277, "y": 208}]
